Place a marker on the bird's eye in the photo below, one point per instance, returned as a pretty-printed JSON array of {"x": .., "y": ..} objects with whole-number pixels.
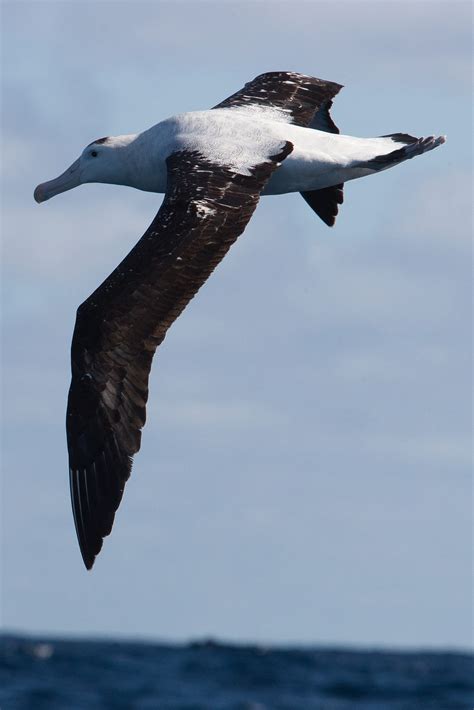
[{"x": 94, "y": 153}]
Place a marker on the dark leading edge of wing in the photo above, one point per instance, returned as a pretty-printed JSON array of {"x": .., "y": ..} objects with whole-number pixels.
[
  {"x": 119, "y": 327},
  {"x": 307, "y": 101}
]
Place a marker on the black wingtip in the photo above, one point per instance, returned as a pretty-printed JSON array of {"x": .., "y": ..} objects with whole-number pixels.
[
  {"x": 324, "y": 202},
  {"x": 88, "y": 561},
  {"x": 88, "y": 557}
]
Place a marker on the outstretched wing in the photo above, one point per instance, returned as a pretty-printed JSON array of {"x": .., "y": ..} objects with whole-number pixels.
[
  {"x": 296, "y": 97},
  {"x": 325, "y": 202},
  {"x": 305, "y": 101},
  {"x": 119, "y": 327}
]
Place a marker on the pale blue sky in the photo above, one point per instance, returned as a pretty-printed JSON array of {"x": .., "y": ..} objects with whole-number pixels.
[{"x": 305, "y": 468}]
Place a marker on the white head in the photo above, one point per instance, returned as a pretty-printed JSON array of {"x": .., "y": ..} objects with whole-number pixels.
[{"x": 103, "y": 160}]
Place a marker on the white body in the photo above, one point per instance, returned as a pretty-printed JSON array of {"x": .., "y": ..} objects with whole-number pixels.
[
  {"x": 242, "y": 138},
  {"x": 238, "y": 138}
]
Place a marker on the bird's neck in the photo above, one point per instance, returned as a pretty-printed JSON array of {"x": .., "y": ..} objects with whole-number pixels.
[{"x": 142, "y": 163}]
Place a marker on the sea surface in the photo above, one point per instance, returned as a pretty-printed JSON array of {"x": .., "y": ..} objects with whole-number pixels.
[{"x": 52, "y": 674}]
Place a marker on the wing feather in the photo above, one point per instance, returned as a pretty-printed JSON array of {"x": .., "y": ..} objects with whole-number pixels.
[
  {"x": 295, "y": 96},
  {"x": 119, "y": 327}
]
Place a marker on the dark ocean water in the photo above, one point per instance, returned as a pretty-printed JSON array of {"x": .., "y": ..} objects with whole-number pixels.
[{"x": 46, "y": 674}]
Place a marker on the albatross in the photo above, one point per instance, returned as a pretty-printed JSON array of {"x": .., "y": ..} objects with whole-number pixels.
[{"x": 274, "y": 136}]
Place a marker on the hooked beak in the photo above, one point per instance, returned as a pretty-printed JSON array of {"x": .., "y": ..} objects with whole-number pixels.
[{"x": 69, "y": 179}]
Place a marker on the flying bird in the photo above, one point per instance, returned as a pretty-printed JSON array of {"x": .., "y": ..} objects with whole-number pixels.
[{"x": 274, "y": 136}]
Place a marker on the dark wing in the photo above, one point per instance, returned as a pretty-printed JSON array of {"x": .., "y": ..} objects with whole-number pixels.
[
  {"x": 119, "y": 327},
  {"x": 322, "y": 120},
  {"x": 325, "y": 202},
  {"x": 296, "y": 95}
]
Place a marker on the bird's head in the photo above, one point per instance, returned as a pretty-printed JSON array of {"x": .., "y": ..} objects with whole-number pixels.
[{"x": 102, "y": 160}]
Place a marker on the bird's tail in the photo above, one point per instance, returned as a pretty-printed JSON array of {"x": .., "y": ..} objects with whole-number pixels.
[
  {"x": 411, "y": 147},
  {"x": 367, "y": 157}
]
